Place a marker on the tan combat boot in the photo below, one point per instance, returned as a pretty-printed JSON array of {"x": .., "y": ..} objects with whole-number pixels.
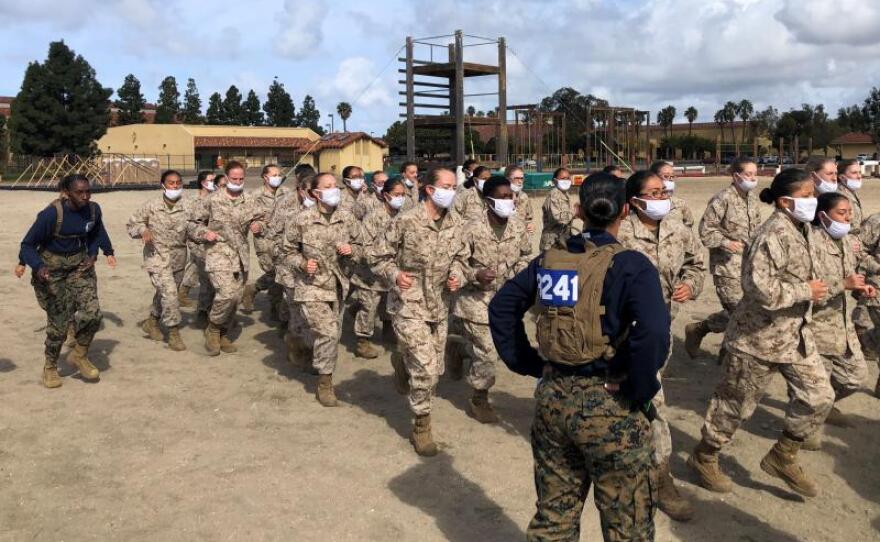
[
  {"x": 781, "y": 462},
  {"x": 480, "y": 409},
  {"x": 704, "y": 462},
  {"x": 80, "y": 361},
  {"x": 401, "y": 378},
  {"x": 693, "y": 337},
  {"x": 174, "y": 341},
  {"x": 454, "y": 360},
  {"x": 365, "y": 349},
  {"x": 150, "y": 326},
  {"x": 226, "y": 345},
  {"x": 671, "y": 501},
  {"x": 212, "y": 340},
  {"x": 70, "y": 342},
  {"x": 421, "y": 437},
  {"x": 183, "y": 297},
  {"x": 51, "y": 378},
  {"x": 325, "y": 394},
  {"x": 247, "y": 298}
]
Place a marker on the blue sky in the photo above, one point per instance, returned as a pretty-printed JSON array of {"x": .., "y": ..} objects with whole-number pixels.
[{"x": 645, "y": 53}]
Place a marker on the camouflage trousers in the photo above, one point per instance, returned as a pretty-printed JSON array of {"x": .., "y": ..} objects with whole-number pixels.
[
  {"x": 484, "y": 358},
  {"x": 191, "y": 271},
  {"x": 70, "y": 295},
  {"x": 370, "y": 306},
  {"x": 847, "y": 373},
  {"x": 166, "y": 304},
  {"x": 266, "y": 282},
  {"x": 661, "y": 434},
  {"x": 195, "y": 275},
  {"x": 422, "y": 345},
  {"x": 228, "y": 288},
  {"x": 743, "y": 384},
  {"x": 582, "y": 436},
  {"x": 867, "y": 323},
  {"x": 324, "y": 322},
  {"x": 296, "y": 323},
  {"x": 730, "y": 293}
]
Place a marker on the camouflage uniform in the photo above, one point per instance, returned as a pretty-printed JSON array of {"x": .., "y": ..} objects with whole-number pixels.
[
  {"x": 769, "y": 333},
  {"x": 164, "y": 258},
  {"x": 430, "y": 251},
  {"x": 469, "y": 204},
  {"x": 312, "y": 235},
  {"x": 524, "y": 210},
  {"x": 728, "y": 217},
  {"x": 866, "y": 315},
  {"x": 351, "y": 202},
  {"x": 266, "y": 244},
  {"x": 678, "y": 256},
  {"x": 412, "y": 196},
  {"x": 833, "y": 330},
  {"x": 856, "y": 204},
  {"x": 507, "y": 253},
  {"x": 227, "y": 261},
  {"x": 372, "y": 292},
  {"x": 681, "y": 209},
  {"x": 581, "y": 435},
  {"x": 558, "y": 211},
  {"x": 194, "y": 274},
  {"x": 283, "y": 216}
]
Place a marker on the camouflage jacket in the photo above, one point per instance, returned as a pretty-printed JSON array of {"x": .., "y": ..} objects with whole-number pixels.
[
  {"x": 372, "y": 231},
  {"x": 869, "y": 258},
  {"x": 265, "y": 201},
  {"x": 772, "y": 321},
  {"x": 680, "y": 208},
  {"x": 350, "y": 201},
  {"x": 196, "y": 249},
  {"x": 833, "y": 261},
  {"x": 430, "y": 251},
  {"x": 673, "y": 249},
  {"x": 369, "y": 203},
  {"x": 469, "y": 204},
  {"x": 856, "y": 203},
  {"x": 230, "y": 219},
  {"x": 729, "y": 217},
  {"x": 507, "y": 255},
  {"x": 311, "y": 235},
  {"x": 524, "y": 209},
  {"x": 558, "y": 214},
  {"x": 167, "y": 224}
]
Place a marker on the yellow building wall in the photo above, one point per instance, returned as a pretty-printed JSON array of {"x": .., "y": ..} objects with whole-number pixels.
[
  {"x": 851, "y": 150},
  {"x": 364, "y": 154},
  {"x": 203, "y": 130},
  {"x": 148, "y": 139}
]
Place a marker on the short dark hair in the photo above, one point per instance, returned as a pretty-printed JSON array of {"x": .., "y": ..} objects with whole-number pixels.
[
  {"x": 602, "y": 197},
  {"x": 636, "y": 182},
  {"x": 493, "y": 184},
  {"x": 559, "y": 171},
  {"x": 266, "y": 169},
  {"x": 658, "y": 165},
  {"x": 234, "y": 164},
  {"x": 405, "y": 165},
  {"x": 826, "y": 202},
  {"x": 313, "y": 183},
  {"x": 203, "y": 175},
  {"x": 611, "y": 169},
  {"x": 302, "y": 169},
  {"x": 433, "y": 175},
  {"x": 784, "y": 184},
  {"x": 167, "y": 173},
  {"x": 739, "y": 165},
  {"x": 844, "y": 164},
  {"x": 468, "y": 163},
  {"x": 346, "y": 171},
  {"x": 68, "y": 181},
  {"x": 391, "y": 183}
]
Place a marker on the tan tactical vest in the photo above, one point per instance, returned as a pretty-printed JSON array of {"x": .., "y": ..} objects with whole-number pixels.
[{"x": 569, "y": 302}]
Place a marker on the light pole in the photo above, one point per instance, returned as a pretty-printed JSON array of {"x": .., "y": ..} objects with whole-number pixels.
[{"x": 332, "y": 126}]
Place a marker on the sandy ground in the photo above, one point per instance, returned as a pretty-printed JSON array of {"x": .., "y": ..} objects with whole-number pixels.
[{"x": 175, "y": 446}]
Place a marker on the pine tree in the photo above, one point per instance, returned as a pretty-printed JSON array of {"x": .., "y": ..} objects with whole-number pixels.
[
  {"x": 231, "y": 111},
  {"x": 309, "y": 116},
  {"x": 251, "y": 114},
  {"x": 192, "y": 104},
  {"x": 214, "y": 114},
  {"x": 279, "y": 106},
  {"x": 61, "y": 108},
  {"x": 344, "y": 111},
  {"x": 4, "y": 143},
  {"x": 130, "y": 102},
  {"x": 169, "y": 102}
]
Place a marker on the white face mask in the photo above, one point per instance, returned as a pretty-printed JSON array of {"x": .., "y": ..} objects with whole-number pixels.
[
  {"x": 397, "y": 202},
  {"x": 656, "y": 209},
  {"x": 232, "y": 187},
  {"x": 330, "y": 196},
  {"x": 443, "y": 197},
  {"x": 746, "y": 184},
  {"x": 504, "y": 208},
  {"x": 276, "y": 181},
  {"x": 173, "y": 195},
  {"x": 837, "y": 230},
  {"x": 209, "y": 186},
  {"x": 377, "y": 188},
  {"x": 356, "y": 184},
  {"x": 669, "y": 186},
  {"x": 824, "y": 186},
  {"x": 804, "y": 209},
  {"x": 516, "y": 188},
  {"x": 480, "y": 184},
  {"x": 563, "y": 184},
  {"x": 408, "y": 183},
  {"x": 853, "y": 184},
  {"x": 308, "y": 202}
]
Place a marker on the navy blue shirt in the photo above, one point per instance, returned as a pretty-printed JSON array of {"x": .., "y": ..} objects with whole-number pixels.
[
  {"x": 86, "y": 235},
  {"x": 632, "y": 297}
]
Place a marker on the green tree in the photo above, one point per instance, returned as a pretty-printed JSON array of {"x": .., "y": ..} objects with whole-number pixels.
[
  {"x": 853, "y": 119},
  {"x": 214, "y": 115},
  {"x": 251, "y": 113},
  {"x": 720, "y": 122},
  {"x": 192, "y": 103},
  {"x": 872, "y": 115},
  {"x": 471, "y": 111},
  {"x": 61, "y": 107},
  {"x": 279, "y": 106},
  {"x": 169, "y": 102},
  {"x": 309, "y": 116},
  {"x": 130, "y": 102},
  {"x": 344, "y": 111},
  {"x": 691, "y": 115},
  {"x": 581, "y": 119},
  {"x": 4, "y": 144},
  {"x": 230, "y": 113},
  {"x": 766, "y": 120},
  {"x": 729, "y": 114},
  {"x": 745, "y": 109}
]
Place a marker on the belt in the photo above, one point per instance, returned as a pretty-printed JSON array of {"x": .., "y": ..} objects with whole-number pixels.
[{"x": 591, "y": 370}]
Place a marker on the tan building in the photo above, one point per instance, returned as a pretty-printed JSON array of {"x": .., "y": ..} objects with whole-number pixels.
[
  {"x": 853, "y": 144},
  {"x": 193, "y": 147}
]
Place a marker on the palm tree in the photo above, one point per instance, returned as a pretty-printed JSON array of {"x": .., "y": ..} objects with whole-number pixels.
[
  {"x": 730, "y": 117},
  {"x": 719, "y": 120},
  {"x": 471, "y": 111},
  {"x": 344, "y": 110},
  {"x": 745, "y": 110},
  {"x": 691, "y": 115}
]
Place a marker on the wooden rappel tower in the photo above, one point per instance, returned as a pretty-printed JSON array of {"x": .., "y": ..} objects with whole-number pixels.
[{"x": 438, "y": 81}]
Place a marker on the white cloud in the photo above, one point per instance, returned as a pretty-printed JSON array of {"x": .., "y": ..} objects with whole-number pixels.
[
  {"x": 355, "y": 82},
  {"x": 300, "y": 28},
  {"x": 847, "y": 22}
]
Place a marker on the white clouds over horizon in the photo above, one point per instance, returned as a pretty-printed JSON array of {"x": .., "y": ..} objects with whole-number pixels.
[{"x": 643, "y": 53}]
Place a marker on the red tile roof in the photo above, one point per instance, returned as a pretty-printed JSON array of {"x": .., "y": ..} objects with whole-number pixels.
[
  {"x": 853, "y": 138},
  {"x": 296, "y": 143},
  {"x": 338, "y": 140}
]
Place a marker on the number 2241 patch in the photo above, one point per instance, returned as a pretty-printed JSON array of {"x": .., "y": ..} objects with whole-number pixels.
[{"x": 558, "y": 287}]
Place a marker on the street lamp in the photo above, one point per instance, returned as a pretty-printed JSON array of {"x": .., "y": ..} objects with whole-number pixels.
[{"x": 332, "y": 126}]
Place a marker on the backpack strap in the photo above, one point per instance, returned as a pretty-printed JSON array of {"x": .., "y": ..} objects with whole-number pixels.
[{"x": 59, "y": 216}]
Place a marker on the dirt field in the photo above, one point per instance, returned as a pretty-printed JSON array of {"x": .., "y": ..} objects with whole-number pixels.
[{"x": 182, "y": 446}]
